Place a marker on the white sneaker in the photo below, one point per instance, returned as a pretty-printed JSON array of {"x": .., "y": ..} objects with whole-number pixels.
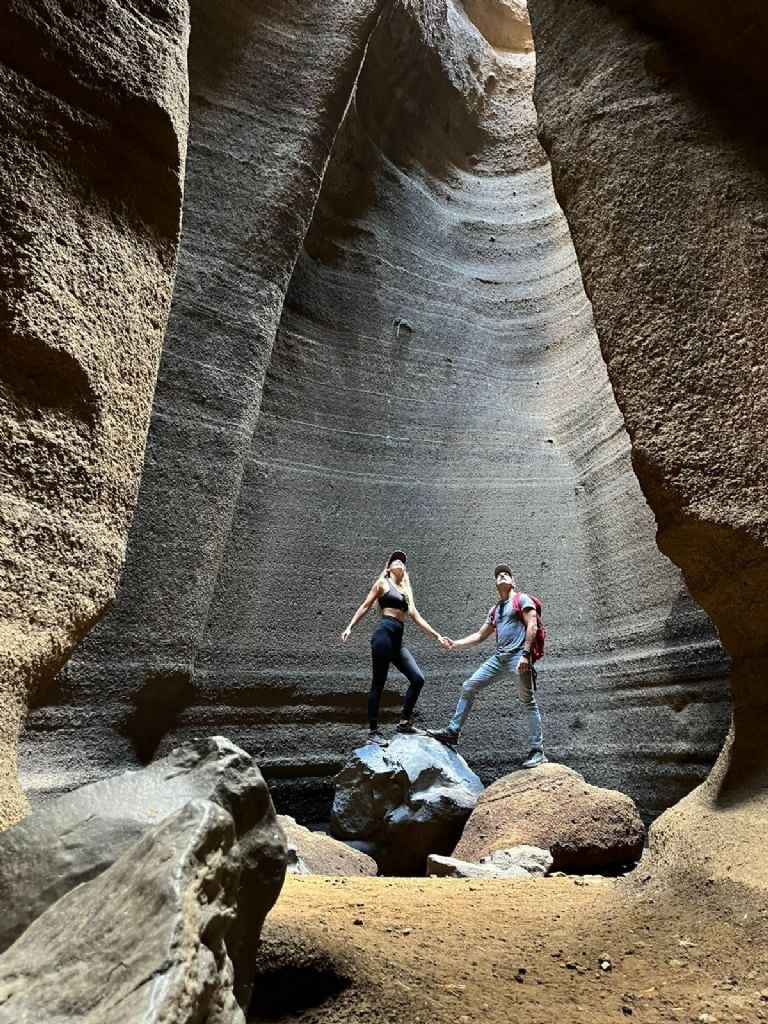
[{"x": 536, "y": 757}]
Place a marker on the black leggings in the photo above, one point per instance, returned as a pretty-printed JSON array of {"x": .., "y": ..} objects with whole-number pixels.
[{"x": 387, "y": 648}]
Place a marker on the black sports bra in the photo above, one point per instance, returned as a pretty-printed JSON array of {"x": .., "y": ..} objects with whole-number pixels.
[{"x": 392, "y": 598}]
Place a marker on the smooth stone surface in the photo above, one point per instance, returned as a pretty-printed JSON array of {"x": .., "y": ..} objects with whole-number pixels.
[
  {"x": 314, "y": 853},
  {"x": 77, "y": 836},
  {"x": 145, "y": 941},
  {"x": 552, "y": 807},
  {"x": 515, "y": 862},
  {"x": 406, "y": 801}
]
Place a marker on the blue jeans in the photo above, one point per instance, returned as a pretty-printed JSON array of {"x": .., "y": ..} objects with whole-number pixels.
[{"x": 496, "y": 667}]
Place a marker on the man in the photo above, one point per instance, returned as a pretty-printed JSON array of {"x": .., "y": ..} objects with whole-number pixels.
[{"x": 514, "y": 641}]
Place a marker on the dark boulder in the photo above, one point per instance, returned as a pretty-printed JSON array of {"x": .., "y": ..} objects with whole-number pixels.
[
  {"x": 79, "y": 835},
  {"x": 145, "y": 941},
  {"x": 404, "y": 802}
]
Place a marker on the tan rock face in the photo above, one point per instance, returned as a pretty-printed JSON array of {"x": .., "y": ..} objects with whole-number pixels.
[
  {"x": 504, "y": 23},
  {"x": 93, "y": 128},
  {"x": 553, "y": 807},
  {"x": 322, "y": 855},
  {"x": 657, "y": 141}
]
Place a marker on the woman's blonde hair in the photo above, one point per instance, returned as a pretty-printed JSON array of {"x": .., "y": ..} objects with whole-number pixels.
[{"x": 404, "y": 585}]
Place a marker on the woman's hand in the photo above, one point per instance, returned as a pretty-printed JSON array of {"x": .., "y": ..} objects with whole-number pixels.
[
  {"x": 445, "y": 642},
  {"x": 346, "y": 635}
]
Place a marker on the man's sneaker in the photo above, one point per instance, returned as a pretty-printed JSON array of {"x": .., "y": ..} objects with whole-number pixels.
[
  {"x": 535, "y": 758},
  {"x": 378, "y": 738},
  {"x": 408, "y": 730},
  {"x": 446, "y": 736}
]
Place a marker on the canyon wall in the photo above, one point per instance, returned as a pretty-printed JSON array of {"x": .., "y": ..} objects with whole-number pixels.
[
  {"x": 654, "y": 119},
  {"x": 93, "y": 106},
  {"x": 431, "y": 380}
]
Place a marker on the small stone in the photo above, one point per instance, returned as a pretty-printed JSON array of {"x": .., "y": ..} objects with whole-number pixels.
[
  {"x": 706, "y": 1018},
  {"x": 358, "y": 920},
  {"x": 407, "y": 931},
  {"x": 605, "y": 964}
]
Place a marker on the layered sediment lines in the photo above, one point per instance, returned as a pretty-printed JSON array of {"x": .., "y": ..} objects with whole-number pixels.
[
  {"x": 435, "y": 383},
  {"x": 93, "y": 111},
  {"x": 654, "y": 119}
]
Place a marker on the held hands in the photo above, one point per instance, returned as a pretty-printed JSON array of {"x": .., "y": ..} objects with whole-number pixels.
[
  {"x": 346, "y": 635},
  {"x": 445, "y": 642}
]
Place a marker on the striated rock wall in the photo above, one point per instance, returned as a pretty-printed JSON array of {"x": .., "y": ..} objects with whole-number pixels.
[
  {"x": 93, "y": 106},
  {"x": 656, "y": 132},
  {"x": 269, "y": 83},
  {"x": 436, "y": 383}
]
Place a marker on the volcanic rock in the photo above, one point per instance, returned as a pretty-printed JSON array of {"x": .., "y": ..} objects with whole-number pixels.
[
  {"x": 676, "y": 275},
  {"x": 145, "y": 941},
  {"x": 434, "y": 362},
  {"x": 93, "y": 125},
  {"x": 314, "y": 853},
  {"x": 516, "y": 862},
  {"x": 79, "y": 835},
  {"x": 551, "y": 806},
  {"x": 404, "y": 802}
]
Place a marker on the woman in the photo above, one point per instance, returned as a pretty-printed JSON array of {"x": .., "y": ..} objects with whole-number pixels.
[{"x": 393, "y": 592}]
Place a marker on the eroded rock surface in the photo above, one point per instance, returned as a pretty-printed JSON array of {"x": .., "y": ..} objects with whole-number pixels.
[
  {"x": 404, "y": 802},
  {"x": 435, "y": 382},
  {"x": 552, "y": 806},
  {"x": 653, "y": 115},
  {"x": 314, "y": 853},
  {"x": 93, "y": 108},
  {"x": 145, "y": 941},
  {"x": 78, "y": 836}
]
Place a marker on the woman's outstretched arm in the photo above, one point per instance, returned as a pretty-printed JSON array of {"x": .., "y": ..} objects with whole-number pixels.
[
  {"x": 425, "y": 627},
  {"x": 373, "y": 593}
]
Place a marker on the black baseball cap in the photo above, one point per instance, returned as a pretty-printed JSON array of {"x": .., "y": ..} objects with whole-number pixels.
[
  {"x": 502, "y": 568},
  {"x": 395, "y": 556}
]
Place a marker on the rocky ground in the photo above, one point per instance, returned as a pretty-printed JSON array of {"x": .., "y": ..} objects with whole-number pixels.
[{"x": 565, "y": 949}]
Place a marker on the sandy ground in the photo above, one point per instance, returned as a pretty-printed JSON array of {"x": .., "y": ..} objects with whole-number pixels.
[{"x": 565, "y": 950}]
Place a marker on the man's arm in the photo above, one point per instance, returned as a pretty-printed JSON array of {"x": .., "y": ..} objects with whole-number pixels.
[
  {"x": 474, "y": 638},
  {"x": 531, "y": 629}
]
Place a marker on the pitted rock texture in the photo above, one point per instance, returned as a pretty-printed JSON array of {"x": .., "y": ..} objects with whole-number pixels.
[
  {"x": 403, "y": 802},
  {"x": 93, "y": 107},
  {"x": 317, "y": 854},
  {"x": 142, "y": 942},
  {"x": 553, "y": 807},
  {"x": 77, "y": 837},
  {"x": 435, "y": 383},
  {"x": 653, "y": 115}
]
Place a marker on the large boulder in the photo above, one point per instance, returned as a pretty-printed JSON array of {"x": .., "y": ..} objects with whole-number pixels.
[
  {"x": 76, "y": 837},
  {"x": 517, "y": 862},
  {"x": 315, "y": 853},
  {"x": 142, "y": 942},
  {"x": 404, "y": 802},
  {"x": 552, "y": 806}
]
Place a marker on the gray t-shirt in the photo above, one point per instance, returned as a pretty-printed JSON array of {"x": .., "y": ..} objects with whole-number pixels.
[{"x": 510, "y": 628}]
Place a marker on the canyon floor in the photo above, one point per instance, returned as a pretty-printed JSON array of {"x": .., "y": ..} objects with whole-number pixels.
[{"x": 561, "y": 949}]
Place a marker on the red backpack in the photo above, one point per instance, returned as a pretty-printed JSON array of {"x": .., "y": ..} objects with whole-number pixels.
[{"x": 537, "y": 650}]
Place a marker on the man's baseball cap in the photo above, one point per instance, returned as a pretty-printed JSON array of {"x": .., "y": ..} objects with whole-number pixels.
[
  {"x": 396, "y": 556},
  {"x": 502, "y": 568}
]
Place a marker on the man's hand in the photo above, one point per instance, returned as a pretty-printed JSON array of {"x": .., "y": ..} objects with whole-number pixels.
[
  {"x": 346, "y": 635},
  {"x": 524, "y": 665},
  {"x": 446, "y": 643}
]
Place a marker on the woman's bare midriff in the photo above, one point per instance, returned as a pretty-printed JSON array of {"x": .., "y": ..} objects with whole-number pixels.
[{"x": 393, "y": 613}]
